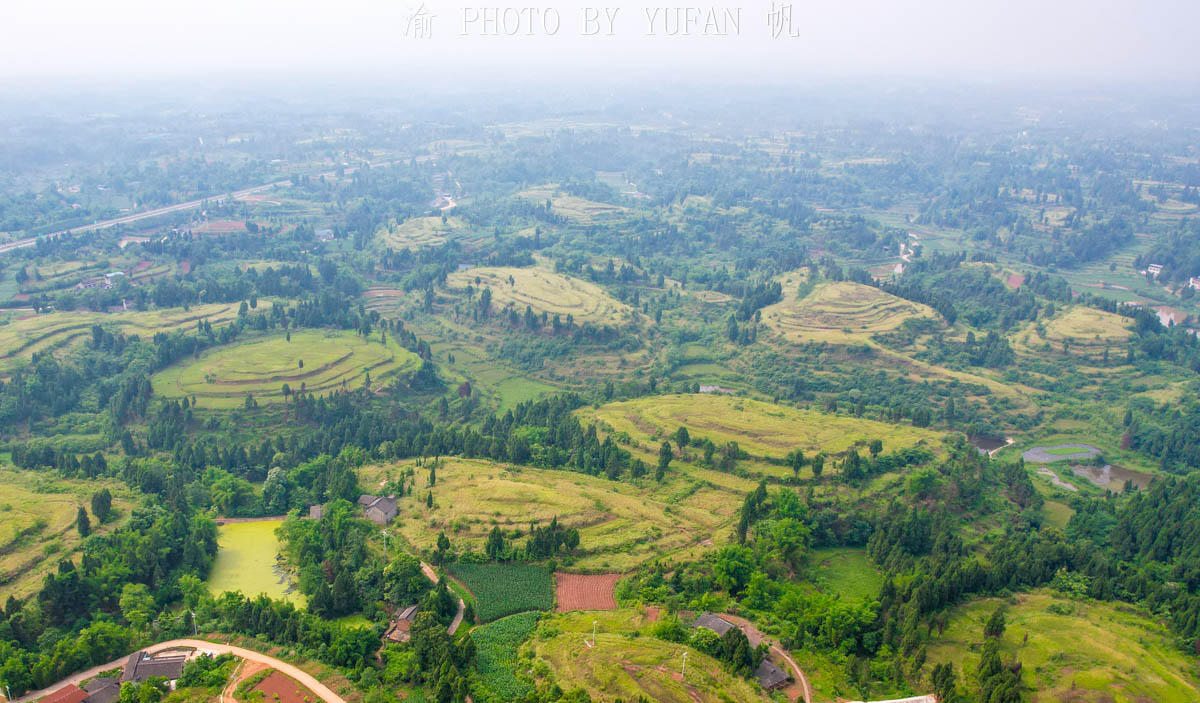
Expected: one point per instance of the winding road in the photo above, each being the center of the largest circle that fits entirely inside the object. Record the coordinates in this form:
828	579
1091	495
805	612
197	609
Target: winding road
322	691
458	617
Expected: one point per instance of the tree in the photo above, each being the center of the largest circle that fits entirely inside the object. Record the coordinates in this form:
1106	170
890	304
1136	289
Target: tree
682	438
102	504
994	627
82	523
664	460
818	465
136	604
495	544
876	447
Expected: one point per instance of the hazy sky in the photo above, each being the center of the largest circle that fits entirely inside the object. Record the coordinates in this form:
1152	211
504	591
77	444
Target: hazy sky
363	39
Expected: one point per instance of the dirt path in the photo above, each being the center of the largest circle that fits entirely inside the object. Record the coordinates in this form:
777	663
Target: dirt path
752	633
244	670
458	617
321	690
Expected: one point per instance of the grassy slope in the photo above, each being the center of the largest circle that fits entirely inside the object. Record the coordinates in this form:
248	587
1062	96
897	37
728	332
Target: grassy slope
545	291
1095	653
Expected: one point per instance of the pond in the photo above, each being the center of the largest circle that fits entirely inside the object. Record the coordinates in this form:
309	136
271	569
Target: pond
986	444
1112	476
1059	452
247	561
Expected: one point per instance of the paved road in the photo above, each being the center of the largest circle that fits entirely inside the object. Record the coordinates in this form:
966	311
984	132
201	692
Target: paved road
458	617
311	683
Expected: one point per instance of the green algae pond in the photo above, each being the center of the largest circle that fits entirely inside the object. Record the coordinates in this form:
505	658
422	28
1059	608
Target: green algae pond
247	562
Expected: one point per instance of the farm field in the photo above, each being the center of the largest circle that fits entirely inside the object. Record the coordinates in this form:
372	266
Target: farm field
626	667
839	313
416	232
545	291
260	366
584	591
572	207
497	644
37	523
761	429
620	524
22	336
1086	651
247	561
278	687
506	589
1086	331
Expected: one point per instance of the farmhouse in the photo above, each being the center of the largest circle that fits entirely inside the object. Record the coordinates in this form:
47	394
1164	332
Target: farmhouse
770	677
715	623
102	690
1194	283
399	631
316	512
379	510
141	666
1154	269
324	235
67	694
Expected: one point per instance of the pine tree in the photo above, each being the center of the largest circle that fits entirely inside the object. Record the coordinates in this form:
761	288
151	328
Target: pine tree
82	523
101	504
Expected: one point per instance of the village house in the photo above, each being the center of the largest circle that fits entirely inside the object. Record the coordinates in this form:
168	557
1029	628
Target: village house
770	677
379	510
141	666
102	690
1154	269
400	628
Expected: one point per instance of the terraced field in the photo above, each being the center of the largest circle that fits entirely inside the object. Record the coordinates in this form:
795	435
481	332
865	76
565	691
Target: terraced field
572	207
314	361
1075	650
762	429
1086	331
21	336
417	232
37	524
840	313
620	524
545	291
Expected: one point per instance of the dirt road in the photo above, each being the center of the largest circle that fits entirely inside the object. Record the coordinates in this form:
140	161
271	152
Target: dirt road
320	689
458	617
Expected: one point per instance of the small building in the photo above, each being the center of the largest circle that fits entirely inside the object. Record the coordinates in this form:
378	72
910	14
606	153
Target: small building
399	630
324	234
715	623
141	666
1194	283
770	677
102	690
67	694
379	510
1154	269
316	512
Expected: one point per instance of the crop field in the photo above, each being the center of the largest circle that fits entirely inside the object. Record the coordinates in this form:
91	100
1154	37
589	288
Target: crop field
417	232
505	589
585	591
1086	332
839	313
573	208
246	561
620	524
314	361
21	337
545	291
37	524
759	428
624	666
497	644
1077	650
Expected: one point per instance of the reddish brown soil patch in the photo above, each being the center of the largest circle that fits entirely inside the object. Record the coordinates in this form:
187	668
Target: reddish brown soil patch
653	613
220	227
185	267
585	592
1015	280
283	689
142	266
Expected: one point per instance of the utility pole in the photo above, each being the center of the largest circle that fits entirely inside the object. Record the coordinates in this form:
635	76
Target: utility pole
684	671
594	632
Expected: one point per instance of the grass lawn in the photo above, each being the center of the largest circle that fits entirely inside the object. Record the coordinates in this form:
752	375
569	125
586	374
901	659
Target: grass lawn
314	360
246	560
846	572
1088	651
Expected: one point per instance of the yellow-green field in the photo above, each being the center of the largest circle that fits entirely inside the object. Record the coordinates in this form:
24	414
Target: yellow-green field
420	232
573	208
620	524
762	429
840	313
246	561
37	524
333	359
545	291
1085	330
1089	651
626	667
20	338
